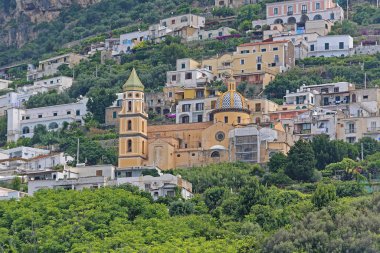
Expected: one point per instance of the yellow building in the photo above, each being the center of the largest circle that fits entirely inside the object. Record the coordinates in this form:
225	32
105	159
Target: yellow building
255	63
229	137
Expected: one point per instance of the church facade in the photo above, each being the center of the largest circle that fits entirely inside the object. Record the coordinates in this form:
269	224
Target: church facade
229	136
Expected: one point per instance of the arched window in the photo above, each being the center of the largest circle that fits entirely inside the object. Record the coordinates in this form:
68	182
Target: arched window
278	21
53	125
129	106
292	20
129	125
25	130
185	119
215	154
184	19
129	146
317	17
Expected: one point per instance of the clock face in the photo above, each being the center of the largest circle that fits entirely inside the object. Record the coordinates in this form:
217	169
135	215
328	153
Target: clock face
219	136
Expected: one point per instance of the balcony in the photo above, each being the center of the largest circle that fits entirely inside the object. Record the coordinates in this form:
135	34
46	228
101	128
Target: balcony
302	131
304	11
290	13
350	131
373	130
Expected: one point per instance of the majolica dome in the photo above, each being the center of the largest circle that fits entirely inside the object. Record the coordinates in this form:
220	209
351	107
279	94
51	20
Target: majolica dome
231	99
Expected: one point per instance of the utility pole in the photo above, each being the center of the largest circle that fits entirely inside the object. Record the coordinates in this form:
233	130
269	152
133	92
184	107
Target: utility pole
361	146
78	152
347	9
365	80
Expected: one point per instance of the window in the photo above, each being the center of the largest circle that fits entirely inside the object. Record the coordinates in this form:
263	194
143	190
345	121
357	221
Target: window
215	154
238	120
351	139
143	126
183	19
275	11
312	48
189	76
174	78
25	130
220	136
244	51
327	46
185	119
129	146
341	45
259	59
55	114
290	10
336	89
365	97
210	35
373	125
114	115
147	187
258	67
77	112
351	128
258	107
318	6
53	125
39	116
276	59
304	9
200	118
186	107
143	147
68	112
129	106
199	106
242	62
263	50
99	173
225	119
173	21
220	34
183	65
199	94
275	49
129	127
170	94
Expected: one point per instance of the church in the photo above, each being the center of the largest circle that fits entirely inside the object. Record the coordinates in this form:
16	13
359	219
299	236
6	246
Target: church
230	136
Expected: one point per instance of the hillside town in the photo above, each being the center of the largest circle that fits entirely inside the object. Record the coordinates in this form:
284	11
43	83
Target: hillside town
190	126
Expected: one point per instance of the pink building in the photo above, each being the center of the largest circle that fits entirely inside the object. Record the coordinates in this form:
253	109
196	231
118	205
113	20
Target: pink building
300	11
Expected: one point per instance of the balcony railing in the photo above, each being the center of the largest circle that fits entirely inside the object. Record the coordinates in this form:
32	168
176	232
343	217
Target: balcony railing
303	131
373	129
304	11
350	131
290	13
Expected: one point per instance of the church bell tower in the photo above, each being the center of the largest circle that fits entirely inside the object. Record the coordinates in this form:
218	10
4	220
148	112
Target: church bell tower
133	139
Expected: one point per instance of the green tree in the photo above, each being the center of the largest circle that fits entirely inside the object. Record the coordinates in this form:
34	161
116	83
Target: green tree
301	161
323	195
277	162
370	146
98	100
214	197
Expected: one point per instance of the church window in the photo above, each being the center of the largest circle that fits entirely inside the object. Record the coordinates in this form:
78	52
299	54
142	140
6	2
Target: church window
129	125
238	120
130	95
129	106
215	154
129	146
225	119
219	136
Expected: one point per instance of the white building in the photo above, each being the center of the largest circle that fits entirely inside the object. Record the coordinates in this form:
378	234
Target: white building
331	46
21	122
4	84
188	74
27	158
129	40
7	194
49	67
315	122
162	186
211	34
303	98
72	178
195	110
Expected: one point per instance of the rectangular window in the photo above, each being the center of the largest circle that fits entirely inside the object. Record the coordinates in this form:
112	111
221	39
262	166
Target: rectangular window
275	11
99	173
55	114
173	21
276	59
225	119
199	106
174	77
259	59
200	118
341	45
77	112
27	117
114	115
336	89
263	50
188	76
39	116
351	139
238	120
290	10
199	94
365	97
318	6
258	107
186	107
183	65
327	46
68	112
258	67
275	49
242	62
304	9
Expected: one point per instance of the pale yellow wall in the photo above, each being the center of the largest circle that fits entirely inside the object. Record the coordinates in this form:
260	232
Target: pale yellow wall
232	117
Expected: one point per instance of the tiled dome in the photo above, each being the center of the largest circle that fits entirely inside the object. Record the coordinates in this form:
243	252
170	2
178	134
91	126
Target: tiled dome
231	99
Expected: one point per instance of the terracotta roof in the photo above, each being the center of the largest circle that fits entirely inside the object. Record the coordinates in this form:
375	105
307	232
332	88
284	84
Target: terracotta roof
179	127
263	43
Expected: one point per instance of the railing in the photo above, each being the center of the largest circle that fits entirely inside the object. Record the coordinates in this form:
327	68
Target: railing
373	129
304	11
290	13
350	131
303	131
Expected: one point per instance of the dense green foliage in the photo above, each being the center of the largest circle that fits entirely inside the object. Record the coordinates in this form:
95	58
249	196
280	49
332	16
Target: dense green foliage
301	161
48	99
